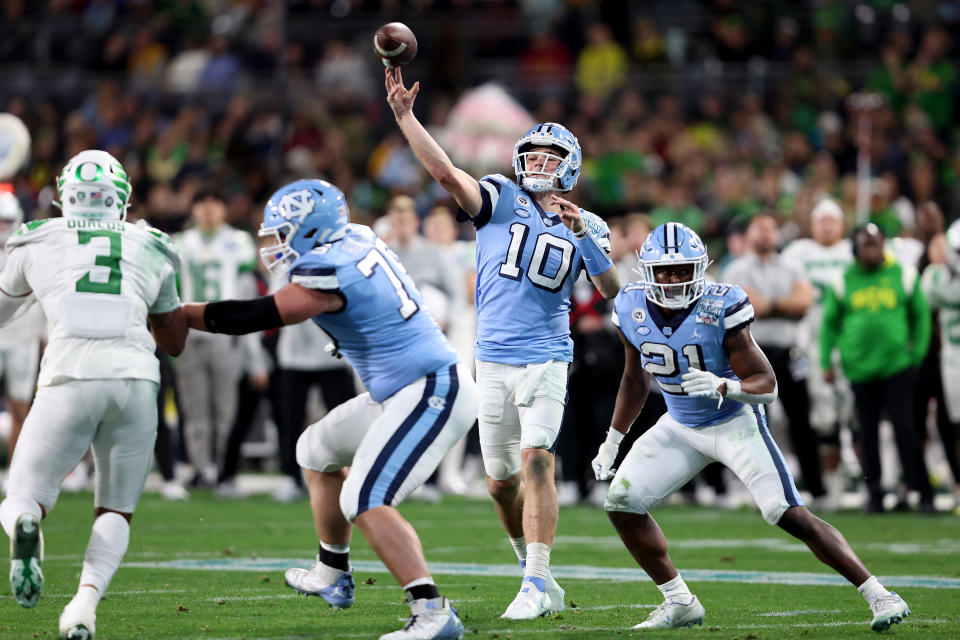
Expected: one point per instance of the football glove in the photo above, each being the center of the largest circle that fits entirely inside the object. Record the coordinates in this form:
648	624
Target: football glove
703	384
603	463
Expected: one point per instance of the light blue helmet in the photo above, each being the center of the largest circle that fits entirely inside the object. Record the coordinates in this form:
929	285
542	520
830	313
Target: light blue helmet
673	244
568	156
300	216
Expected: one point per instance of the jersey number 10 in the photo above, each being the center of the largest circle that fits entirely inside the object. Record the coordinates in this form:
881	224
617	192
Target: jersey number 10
538	261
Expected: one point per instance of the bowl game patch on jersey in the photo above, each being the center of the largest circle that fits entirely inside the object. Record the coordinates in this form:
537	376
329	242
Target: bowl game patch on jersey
709	311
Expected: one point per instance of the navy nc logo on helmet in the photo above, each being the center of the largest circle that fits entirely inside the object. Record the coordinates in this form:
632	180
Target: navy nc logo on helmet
300	216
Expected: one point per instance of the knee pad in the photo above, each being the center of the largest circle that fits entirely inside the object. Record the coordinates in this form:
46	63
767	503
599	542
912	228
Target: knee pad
502	466
621	497
313	452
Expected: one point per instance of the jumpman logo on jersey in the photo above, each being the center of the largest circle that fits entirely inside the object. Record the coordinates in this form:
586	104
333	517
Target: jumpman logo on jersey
696	334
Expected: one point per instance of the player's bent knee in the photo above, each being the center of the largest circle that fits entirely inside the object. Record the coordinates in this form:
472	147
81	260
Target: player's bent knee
537	464
773	513
311	454
621	497
501	467
505	489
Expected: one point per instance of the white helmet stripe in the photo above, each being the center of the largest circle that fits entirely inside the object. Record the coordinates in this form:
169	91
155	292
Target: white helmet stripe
670	238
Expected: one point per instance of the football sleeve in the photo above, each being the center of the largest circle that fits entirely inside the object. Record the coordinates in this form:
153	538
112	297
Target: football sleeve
315	274
738	311
491	189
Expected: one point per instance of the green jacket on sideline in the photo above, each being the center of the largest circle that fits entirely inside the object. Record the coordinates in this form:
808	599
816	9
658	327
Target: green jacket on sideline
879	320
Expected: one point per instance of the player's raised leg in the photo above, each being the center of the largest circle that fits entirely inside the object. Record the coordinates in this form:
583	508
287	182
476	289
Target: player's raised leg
660	462
757	461
324	450
56	434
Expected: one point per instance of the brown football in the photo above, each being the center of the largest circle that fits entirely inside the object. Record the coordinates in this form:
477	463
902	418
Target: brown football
395	43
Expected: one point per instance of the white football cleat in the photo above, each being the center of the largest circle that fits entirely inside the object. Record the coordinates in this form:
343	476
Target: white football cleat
888	609
26	556
674	615
431	619
556	594
338	593
532	601
78	620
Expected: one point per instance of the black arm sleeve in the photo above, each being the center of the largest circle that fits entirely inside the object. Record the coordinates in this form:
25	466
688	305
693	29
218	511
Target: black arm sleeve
237	317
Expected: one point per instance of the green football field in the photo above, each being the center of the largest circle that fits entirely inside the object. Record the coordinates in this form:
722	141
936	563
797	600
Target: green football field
209	569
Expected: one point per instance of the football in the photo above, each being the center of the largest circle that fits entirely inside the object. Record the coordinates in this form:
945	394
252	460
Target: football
14	145
395	43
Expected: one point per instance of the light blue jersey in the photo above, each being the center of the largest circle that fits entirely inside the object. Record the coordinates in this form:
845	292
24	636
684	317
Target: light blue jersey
693	337
527	262
383	330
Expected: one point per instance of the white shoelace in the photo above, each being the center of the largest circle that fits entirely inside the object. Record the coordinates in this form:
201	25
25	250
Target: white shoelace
881	601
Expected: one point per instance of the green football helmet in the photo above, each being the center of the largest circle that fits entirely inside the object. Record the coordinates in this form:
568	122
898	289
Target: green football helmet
93	186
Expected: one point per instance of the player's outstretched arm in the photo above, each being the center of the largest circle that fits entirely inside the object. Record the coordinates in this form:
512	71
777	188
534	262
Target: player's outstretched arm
169	330
632	395
291	305
460	184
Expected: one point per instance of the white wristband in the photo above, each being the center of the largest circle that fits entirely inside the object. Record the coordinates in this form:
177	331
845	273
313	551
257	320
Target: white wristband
614	436
734	392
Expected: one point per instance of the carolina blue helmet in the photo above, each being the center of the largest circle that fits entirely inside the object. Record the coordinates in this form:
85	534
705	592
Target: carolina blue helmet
568	158
673	244
300	216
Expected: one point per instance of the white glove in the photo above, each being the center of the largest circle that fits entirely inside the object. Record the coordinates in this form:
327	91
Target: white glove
606	455
703	384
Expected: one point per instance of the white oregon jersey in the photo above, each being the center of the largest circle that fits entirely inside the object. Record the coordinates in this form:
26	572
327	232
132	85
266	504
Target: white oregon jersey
26	327
214	262
821	265
941	285
96	282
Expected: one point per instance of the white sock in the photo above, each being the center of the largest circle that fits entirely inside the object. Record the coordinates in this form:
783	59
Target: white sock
538	560
520	546
107	546
13	507
871	589
676	591
336	548
87	597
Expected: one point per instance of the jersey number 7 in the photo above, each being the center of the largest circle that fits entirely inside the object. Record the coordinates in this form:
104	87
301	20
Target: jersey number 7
378	256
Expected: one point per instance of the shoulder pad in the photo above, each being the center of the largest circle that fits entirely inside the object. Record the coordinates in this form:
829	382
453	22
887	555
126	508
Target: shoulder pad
30	231
160	241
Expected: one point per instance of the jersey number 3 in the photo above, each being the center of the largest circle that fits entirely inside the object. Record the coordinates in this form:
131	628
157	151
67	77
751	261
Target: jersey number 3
109	261
538	261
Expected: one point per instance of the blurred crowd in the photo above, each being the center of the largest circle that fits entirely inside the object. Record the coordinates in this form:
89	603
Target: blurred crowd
716	114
